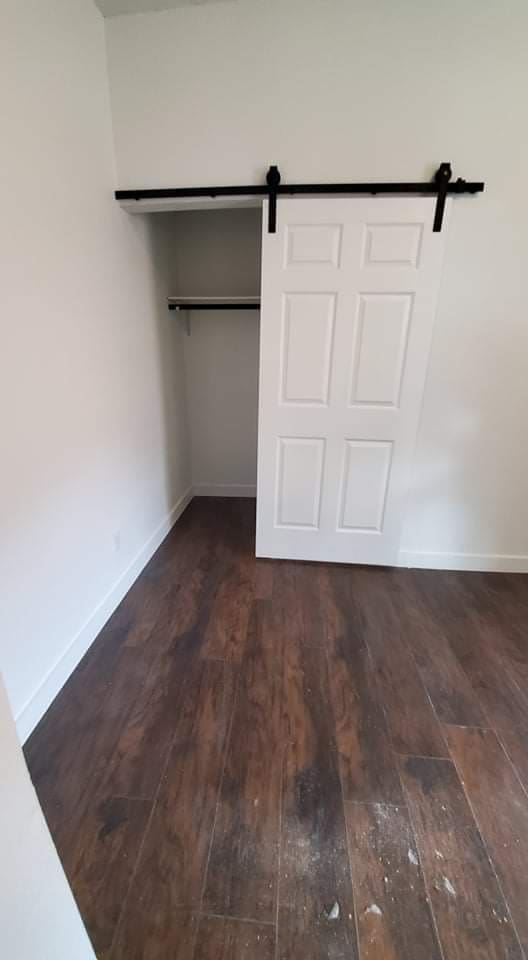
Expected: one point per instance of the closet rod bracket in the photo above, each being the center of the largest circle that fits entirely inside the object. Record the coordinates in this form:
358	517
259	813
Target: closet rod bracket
184	313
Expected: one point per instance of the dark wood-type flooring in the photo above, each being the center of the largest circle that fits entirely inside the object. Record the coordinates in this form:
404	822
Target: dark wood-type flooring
262	760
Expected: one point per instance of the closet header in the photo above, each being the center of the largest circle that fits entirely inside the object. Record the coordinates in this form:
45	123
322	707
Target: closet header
440	186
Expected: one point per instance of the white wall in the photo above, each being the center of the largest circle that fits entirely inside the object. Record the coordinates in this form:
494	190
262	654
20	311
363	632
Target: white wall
217	253
38	915
346	90
92	403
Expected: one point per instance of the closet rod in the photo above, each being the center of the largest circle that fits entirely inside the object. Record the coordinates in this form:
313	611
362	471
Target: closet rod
440	186
214	306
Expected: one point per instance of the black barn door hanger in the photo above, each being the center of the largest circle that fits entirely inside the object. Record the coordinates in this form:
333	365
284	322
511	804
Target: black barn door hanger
440	186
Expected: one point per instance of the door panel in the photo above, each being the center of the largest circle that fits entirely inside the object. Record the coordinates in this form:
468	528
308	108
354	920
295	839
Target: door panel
313	243
307	347
382	327
349	290
366	472
300	466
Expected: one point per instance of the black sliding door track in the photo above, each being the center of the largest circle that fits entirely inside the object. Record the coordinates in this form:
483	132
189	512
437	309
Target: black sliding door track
440	186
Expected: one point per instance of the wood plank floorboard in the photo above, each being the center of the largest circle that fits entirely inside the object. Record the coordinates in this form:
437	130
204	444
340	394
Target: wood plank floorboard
469	908
309	599
314	879
499	804
98	846
172	862
226	939
263	579
448	687
478	649
515	743
226	630
170	871
175	941
241	878
222	774
286	611
508	644
368	767
82	746
139	753
394	917
412	724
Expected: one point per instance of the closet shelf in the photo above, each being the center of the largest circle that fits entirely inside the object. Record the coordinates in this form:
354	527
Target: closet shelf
214	303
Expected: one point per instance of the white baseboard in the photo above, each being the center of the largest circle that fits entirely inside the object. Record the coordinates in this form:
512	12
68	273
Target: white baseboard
225	490
483	562
38	703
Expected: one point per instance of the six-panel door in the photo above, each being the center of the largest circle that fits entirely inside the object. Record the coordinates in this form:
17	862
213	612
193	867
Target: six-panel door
349	290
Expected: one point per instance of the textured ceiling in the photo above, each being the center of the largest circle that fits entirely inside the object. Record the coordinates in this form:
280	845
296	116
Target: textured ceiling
113	8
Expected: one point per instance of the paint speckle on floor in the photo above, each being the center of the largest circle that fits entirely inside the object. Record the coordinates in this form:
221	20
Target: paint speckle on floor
449	887
333	912
374	909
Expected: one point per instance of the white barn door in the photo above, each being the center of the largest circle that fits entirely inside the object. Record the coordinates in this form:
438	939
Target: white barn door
349	292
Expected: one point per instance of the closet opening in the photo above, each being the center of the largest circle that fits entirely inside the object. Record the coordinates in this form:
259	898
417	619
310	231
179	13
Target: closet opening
213	259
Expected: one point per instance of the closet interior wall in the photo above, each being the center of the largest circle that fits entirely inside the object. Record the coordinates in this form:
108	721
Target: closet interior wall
217	253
